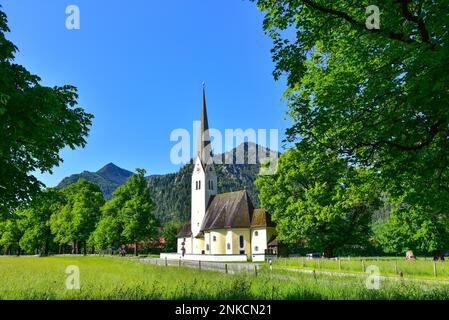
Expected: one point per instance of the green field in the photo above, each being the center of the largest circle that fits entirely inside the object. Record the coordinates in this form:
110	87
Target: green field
420	269
115	278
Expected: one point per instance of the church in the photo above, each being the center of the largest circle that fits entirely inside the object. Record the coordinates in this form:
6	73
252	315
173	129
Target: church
223	226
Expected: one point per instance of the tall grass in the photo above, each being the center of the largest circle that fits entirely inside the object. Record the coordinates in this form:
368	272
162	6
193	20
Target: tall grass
392	267
115	278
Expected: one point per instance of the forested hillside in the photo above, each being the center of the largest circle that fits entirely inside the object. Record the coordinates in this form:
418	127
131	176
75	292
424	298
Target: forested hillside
171	192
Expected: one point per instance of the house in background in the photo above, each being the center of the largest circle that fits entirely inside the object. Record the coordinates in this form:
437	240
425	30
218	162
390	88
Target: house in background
223	227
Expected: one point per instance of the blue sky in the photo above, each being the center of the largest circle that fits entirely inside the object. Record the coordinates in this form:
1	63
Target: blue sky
139	66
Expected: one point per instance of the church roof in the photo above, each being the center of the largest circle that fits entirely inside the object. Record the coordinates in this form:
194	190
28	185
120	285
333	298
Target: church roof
261	219
228	210
186	231
204	147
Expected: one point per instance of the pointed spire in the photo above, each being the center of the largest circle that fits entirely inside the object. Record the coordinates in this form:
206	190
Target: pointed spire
204	145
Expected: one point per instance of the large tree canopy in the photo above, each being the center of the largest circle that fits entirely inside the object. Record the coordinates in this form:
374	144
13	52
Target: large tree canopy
316	197
377	97
36	122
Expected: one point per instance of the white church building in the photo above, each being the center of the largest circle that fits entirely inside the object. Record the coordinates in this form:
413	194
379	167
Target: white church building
226	226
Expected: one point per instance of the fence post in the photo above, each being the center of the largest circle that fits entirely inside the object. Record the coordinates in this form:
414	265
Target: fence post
255	270
339	263
226	268
166	263
435	268
179	263
363	265
199	264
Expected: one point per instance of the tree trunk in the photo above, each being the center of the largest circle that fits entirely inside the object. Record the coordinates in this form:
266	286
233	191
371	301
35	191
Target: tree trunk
46	247
135	249
438	256
328	252
18	249
85	248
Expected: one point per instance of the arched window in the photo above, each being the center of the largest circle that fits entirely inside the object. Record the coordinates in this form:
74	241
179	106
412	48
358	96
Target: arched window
228	245
256	233
214	238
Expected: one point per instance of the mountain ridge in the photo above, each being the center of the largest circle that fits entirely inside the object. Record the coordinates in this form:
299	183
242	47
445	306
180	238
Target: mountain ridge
171	191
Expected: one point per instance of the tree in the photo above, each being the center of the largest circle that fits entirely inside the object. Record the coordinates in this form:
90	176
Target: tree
128	216
319	198
139	222
36	122
36	221
378	97
108	232
169	232
412	228
11	231
78	218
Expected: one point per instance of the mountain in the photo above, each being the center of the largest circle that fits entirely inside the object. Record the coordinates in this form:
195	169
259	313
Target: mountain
108	178
171	192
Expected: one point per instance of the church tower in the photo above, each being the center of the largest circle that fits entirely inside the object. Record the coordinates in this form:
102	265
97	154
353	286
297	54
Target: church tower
204	179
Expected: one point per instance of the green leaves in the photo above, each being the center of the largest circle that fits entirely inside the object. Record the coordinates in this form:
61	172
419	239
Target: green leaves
375	97
319	198
128	217
36	122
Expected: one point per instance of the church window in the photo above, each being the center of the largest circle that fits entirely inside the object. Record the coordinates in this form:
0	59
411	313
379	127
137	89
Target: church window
256	233
196	185
199	185
242	241
214	238
207	247
256	248
210	169
228	246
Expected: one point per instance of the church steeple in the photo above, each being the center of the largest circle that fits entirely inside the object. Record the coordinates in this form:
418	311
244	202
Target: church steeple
204	146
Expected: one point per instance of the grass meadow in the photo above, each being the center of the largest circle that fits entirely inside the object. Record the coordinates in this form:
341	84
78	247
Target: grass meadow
420	269
34	278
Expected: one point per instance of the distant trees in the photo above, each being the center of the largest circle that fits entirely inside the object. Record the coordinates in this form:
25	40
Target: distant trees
413	228
128	216
77	216
36	221
169	232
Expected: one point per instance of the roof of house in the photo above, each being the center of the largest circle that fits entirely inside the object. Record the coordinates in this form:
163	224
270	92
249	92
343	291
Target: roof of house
186	231
228	210
261	219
